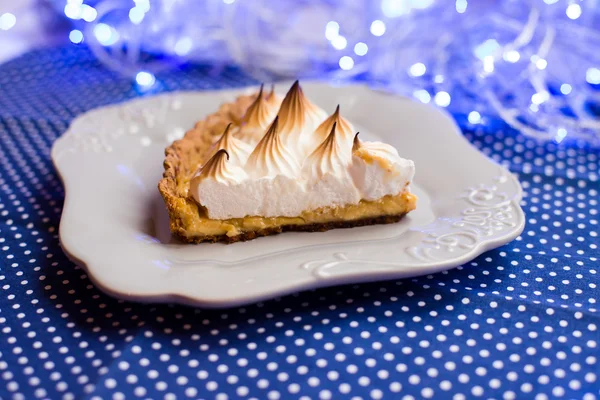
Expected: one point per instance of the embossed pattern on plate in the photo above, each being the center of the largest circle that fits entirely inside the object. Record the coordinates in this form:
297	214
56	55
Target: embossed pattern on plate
110	161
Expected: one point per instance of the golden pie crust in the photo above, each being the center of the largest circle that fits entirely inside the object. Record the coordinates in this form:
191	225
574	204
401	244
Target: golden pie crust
189	221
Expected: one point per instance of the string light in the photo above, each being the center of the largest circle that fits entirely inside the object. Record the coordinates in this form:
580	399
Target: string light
540	97
136	15
73	10
474	117
592	75
541	63
76	36
573	11
88	13
7	21
422	95
332	30
145	79
486	49
183	46
105	34
561	133
442	99
346	63
488	64
394	8
339	42
360	49
512	56
565	88
417	69
461	6
378	28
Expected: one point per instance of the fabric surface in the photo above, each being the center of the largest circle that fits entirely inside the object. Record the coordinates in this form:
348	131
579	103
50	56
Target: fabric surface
520	321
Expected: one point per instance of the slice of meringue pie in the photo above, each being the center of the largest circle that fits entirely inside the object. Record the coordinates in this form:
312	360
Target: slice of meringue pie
262	165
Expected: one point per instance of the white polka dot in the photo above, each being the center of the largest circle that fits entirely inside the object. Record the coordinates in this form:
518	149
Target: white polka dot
344	388
294	388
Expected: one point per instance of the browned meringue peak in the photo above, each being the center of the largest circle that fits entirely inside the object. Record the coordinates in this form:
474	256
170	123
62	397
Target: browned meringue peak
271	157
296	111
373	151
257	118
272	97
258	112
220	169
328	157
356	144
238	149
344	128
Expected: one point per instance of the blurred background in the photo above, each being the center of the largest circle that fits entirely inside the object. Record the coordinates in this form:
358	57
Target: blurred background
534	64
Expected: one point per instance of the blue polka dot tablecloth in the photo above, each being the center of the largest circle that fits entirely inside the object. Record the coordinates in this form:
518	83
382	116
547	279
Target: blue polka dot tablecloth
519	322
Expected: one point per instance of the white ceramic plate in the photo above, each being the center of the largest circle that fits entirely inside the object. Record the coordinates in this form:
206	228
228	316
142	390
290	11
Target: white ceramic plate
115	224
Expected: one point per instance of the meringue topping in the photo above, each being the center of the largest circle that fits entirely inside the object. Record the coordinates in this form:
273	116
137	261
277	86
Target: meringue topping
219	169
306	160
298	115
344	128
238	149
271	157
258	117
328	158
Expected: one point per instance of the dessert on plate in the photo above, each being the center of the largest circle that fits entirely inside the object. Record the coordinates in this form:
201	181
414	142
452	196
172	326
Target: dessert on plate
263	164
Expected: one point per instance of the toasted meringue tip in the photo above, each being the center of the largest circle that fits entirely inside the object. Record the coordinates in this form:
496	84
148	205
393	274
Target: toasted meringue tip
220	153
294	89
330	139
213	164
224	138
337	111
356	142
